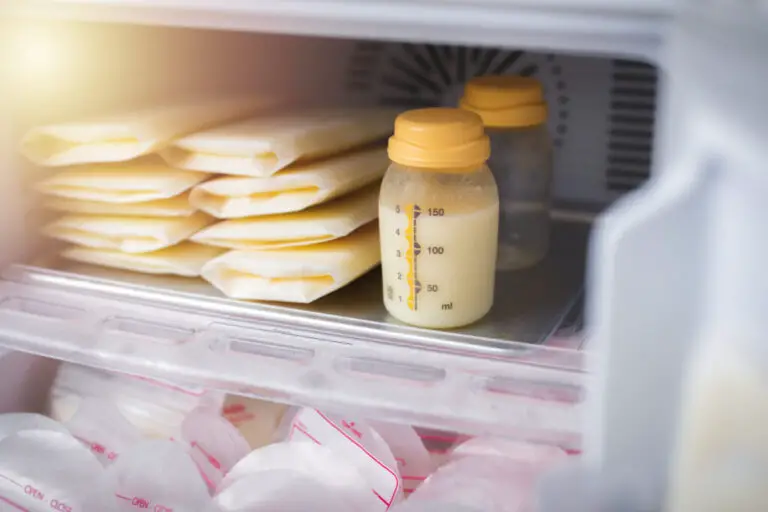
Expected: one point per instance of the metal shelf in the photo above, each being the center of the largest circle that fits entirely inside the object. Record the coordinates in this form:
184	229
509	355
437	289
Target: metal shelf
342	352
619	27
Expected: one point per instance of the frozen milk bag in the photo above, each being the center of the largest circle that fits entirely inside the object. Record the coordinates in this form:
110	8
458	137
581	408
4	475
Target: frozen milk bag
263	145
145	179
293	189
178	206
184	259
297	274
131	134
128	234
318	224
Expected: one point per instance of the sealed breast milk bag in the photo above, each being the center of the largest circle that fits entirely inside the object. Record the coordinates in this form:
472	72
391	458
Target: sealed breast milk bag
294	477
145	179
159	476
488	484
12	423
295	274
264	145
155	407
45	470
128	234
103	429
284	491
177	206
131	134
357	443
318	224
293	189
214	444
185	259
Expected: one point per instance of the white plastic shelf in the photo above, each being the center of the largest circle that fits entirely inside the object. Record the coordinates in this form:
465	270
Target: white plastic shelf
626	27
340	353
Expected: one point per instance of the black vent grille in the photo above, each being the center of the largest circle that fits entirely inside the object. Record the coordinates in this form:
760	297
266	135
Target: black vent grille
363	66
630	124
422	75
416	76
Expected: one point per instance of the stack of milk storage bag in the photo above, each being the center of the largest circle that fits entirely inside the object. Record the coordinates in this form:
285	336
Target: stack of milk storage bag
299	198
299	204
123	206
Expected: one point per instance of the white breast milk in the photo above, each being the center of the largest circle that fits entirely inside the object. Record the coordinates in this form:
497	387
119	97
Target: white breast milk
178	206
318	224
128	234
264	145
184	259
291	190
145	179
297	274
128	135
456	251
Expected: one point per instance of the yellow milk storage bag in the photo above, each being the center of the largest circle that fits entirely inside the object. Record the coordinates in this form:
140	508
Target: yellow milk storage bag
184	259
515	114
141	180
322	223
438	215
291	190
128	135
123	233
266	144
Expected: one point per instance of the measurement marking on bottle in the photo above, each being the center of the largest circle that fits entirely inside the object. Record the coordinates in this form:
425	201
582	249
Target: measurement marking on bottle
447	306
412	213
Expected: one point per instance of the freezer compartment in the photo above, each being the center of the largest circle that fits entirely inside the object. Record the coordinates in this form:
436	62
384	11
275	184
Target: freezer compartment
145	430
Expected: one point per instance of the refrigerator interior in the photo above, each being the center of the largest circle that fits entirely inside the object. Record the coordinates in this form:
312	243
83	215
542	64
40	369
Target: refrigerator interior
668	260
342	351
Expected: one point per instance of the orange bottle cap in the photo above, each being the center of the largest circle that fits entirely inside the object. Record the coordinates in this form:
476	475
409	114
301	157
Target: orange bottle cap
506	101
439	138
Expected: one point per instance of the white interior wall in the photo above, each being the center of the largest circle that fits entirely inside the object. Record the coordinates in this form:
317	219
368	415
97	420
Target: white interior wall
90	68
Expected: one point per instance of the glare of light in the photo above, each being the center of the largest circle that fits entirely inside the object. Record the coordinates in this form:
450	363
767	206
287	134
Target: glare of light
36	55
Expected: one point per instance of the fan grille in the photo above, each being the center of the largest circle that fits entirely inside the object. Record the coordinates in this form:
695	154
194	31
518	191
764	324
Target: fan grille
601	111
630	124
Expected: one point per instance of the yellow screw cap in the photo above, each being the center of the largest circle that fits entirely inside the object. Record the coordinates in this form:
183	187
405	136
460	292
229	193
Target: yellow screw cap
506	101
439	138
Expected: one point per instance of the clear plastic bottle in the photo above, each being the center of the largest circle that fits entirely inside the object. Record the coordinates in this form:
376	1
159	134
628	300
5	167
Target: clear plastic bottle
438	215
514	113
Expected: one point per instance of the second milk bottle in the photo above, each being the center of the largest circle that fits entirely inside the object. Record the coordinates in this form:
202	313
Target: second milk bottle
515	114
438	214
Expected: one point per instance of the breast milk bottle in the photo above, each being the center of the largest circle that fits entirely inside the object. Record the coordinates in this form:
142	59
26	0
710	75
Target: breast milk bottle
514	114
438	215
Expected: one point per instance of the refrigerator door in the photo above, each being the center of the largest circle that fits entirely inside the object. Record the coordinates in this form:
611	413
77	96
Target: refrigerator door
677	290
